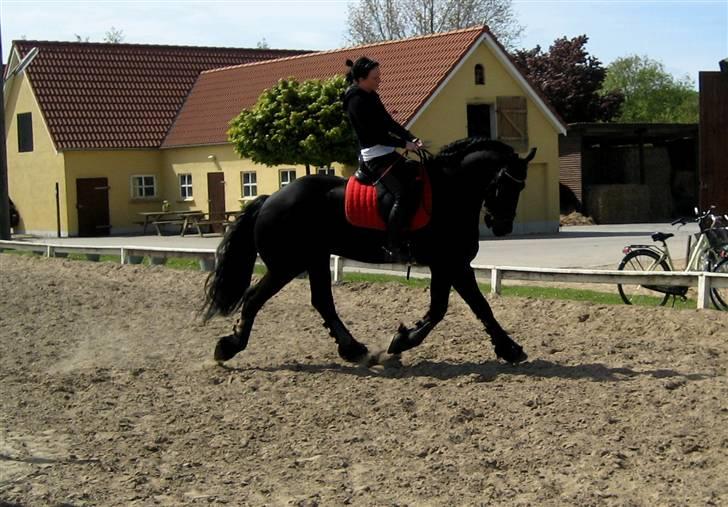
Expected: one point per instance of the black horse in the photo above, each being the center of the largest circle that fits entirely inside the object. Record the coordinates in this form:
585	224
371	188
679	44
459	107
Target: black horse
298	228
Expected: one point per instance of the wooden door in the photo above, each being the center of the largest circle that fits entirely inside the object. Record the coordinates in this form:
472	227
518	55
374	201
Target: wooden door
92	204
713	146
216	199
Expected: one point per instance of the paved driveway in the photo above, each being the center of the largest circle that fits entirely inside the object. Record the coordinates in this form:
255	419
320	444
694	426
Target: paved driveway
579	246
573	247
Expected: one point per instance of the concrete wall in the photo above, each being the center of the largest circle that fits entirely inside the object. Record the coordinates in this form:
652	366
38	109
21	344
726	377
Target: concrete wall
196	161
32	176
118	166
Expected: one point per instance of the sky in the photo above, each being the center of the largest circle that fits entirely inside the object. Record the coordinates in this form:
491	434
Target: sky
687	36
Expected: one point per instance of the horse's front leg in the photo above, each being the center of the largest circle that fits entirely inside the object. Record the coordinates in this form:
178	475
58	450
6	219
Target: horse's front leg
407	338
505	347
323	301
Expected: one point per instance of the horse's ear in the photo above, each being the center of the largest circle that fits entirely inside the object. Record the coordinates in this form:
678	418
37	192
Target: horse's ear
530	155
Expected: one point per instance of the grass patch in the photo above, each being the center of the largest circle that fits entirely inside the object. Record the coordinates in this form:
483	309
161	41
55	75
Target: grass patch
525	291
183	263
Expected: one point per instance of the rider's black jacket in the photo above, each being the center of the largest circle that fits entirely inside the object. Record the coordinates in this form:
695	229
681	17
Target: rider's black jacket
371	122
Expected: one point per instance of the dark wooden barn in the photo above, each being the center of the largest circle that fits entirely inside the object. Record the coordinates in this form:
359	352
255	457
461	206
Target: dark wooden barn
627	172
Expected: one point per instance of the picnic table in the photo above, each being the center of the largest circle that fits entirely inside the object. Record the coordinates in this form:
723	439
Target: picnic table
185	219
194	220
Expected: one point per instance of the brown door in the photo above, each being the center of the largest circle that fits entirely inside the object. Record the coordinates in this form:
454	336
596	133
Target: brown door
92	203
713	148
216	199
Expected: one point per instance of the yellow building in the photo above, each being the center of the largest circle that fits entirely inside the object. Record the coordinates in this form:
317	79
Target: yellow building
443	87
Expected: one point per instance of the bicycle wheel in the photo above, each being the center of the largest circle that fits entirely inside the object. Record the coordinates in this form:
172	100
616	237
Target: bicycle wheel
643	260
719	296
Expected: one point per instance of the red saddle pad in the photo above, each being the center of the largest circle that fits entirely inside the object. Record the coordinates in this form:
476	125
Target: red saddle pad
362	208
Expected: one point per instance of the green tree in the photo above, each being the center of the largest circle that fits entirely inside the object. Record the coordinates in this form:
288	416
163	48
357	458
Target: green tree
296	123
571	79
380	20
652	95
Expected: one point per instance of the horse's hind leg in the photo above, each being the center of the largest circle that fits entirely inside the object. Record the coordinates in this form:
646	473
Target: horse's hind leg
505	347
323	301
254	299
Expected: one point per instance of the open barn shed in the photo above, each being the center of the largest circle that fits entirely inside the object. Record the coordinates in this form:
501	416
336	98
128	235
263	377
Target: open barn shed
621	173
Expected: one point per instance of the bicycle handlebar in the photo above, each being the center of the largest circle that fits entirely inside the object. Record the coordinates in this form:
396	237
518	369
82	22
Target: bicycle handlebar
699	215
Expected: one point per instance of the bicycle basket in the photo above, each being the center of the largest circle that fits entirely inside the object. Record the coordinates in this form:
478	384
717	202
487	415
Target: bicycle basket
717	236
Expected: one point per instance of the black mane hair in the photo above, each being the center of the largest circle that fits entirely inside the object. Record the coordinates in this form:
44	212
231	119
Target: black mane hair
452	154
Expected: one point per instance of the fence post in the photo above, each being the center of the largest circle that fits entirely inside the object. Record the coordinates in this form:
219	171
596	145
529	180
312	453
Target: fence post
123	255
495	280
338	269
50	251
703	292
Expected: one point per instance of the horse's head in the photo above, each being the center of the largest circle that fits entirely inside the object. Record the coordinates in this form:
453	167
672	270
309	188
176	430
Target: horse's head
501	199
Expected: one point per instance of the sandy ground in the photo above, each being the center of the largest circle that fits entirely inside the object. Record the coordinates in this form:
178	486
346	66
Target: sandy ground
109	397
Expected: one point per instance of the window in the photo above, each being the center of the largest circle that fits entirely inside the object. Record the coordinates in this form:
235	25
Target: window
287	176
479	75
480	120
25	132
143	187
249	183
326	171
185	186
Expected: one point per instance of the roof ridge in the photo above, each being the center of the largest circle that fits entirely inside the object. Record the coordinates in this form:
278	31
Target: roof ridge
146	45
479	28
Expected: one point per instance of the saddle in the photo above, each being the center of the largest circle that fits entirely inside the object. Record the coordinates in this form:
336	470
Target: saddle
366	205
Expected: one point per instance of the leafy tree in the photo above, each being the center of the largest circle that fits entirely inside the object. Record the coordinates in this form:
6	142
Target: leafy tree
652	95
380	20
571	80
296	123
262	44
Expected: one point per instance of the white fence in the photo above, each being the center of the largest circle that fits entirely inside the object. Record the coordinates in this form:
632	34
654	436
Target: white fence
496	274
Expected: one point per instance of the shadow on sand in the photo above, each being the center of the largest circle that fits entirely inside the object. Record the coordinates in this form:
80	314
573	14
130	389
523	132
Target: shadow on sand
483	372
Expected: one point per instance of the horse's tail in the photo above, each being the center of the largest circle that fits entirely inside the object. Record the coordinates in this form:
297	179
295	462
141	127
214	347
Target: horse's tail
236	254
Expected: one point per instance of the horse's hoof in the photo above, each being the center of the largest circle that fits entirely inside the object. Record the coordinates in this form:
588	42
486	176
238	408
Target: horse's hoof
353	353
401	341
226	348
511	353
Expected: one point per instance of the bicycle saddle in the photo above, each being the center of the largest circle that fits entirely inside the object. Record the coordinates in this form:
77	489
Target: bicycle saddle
661	236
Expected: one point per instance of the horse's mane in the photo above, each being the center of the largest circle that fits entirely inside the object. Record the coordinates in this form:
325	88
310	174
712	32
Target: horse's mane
452	154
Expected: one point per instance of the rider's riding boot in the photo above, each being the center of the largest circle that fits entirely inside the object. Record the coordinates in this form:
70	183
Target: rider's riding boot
395	227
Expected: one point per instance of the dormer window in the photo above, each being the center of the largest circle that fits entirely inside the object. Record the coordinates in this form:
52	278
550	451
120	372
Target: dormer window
479	75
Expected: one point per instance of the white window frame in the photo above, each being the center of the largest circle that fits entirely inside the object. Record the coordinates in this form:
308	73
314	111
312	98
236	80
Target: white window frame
134	187
326	170
185	186
287	172
251	186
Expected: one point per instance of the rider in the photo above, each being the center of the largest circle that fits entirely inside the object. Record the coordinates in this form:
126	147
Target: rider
379	134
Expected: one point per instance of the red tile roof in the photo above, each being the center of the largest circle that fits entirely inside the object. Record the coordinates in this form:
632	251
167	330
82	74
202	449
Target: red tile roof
115	96
412	70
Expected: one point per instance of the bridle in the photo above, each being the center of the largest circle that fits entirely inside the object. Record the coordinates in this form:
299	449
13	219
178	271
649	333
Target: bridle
494	189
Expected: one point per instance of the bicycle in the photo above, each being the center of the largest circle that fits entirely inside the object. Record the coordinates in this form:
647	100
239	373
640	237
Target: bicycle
708	253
